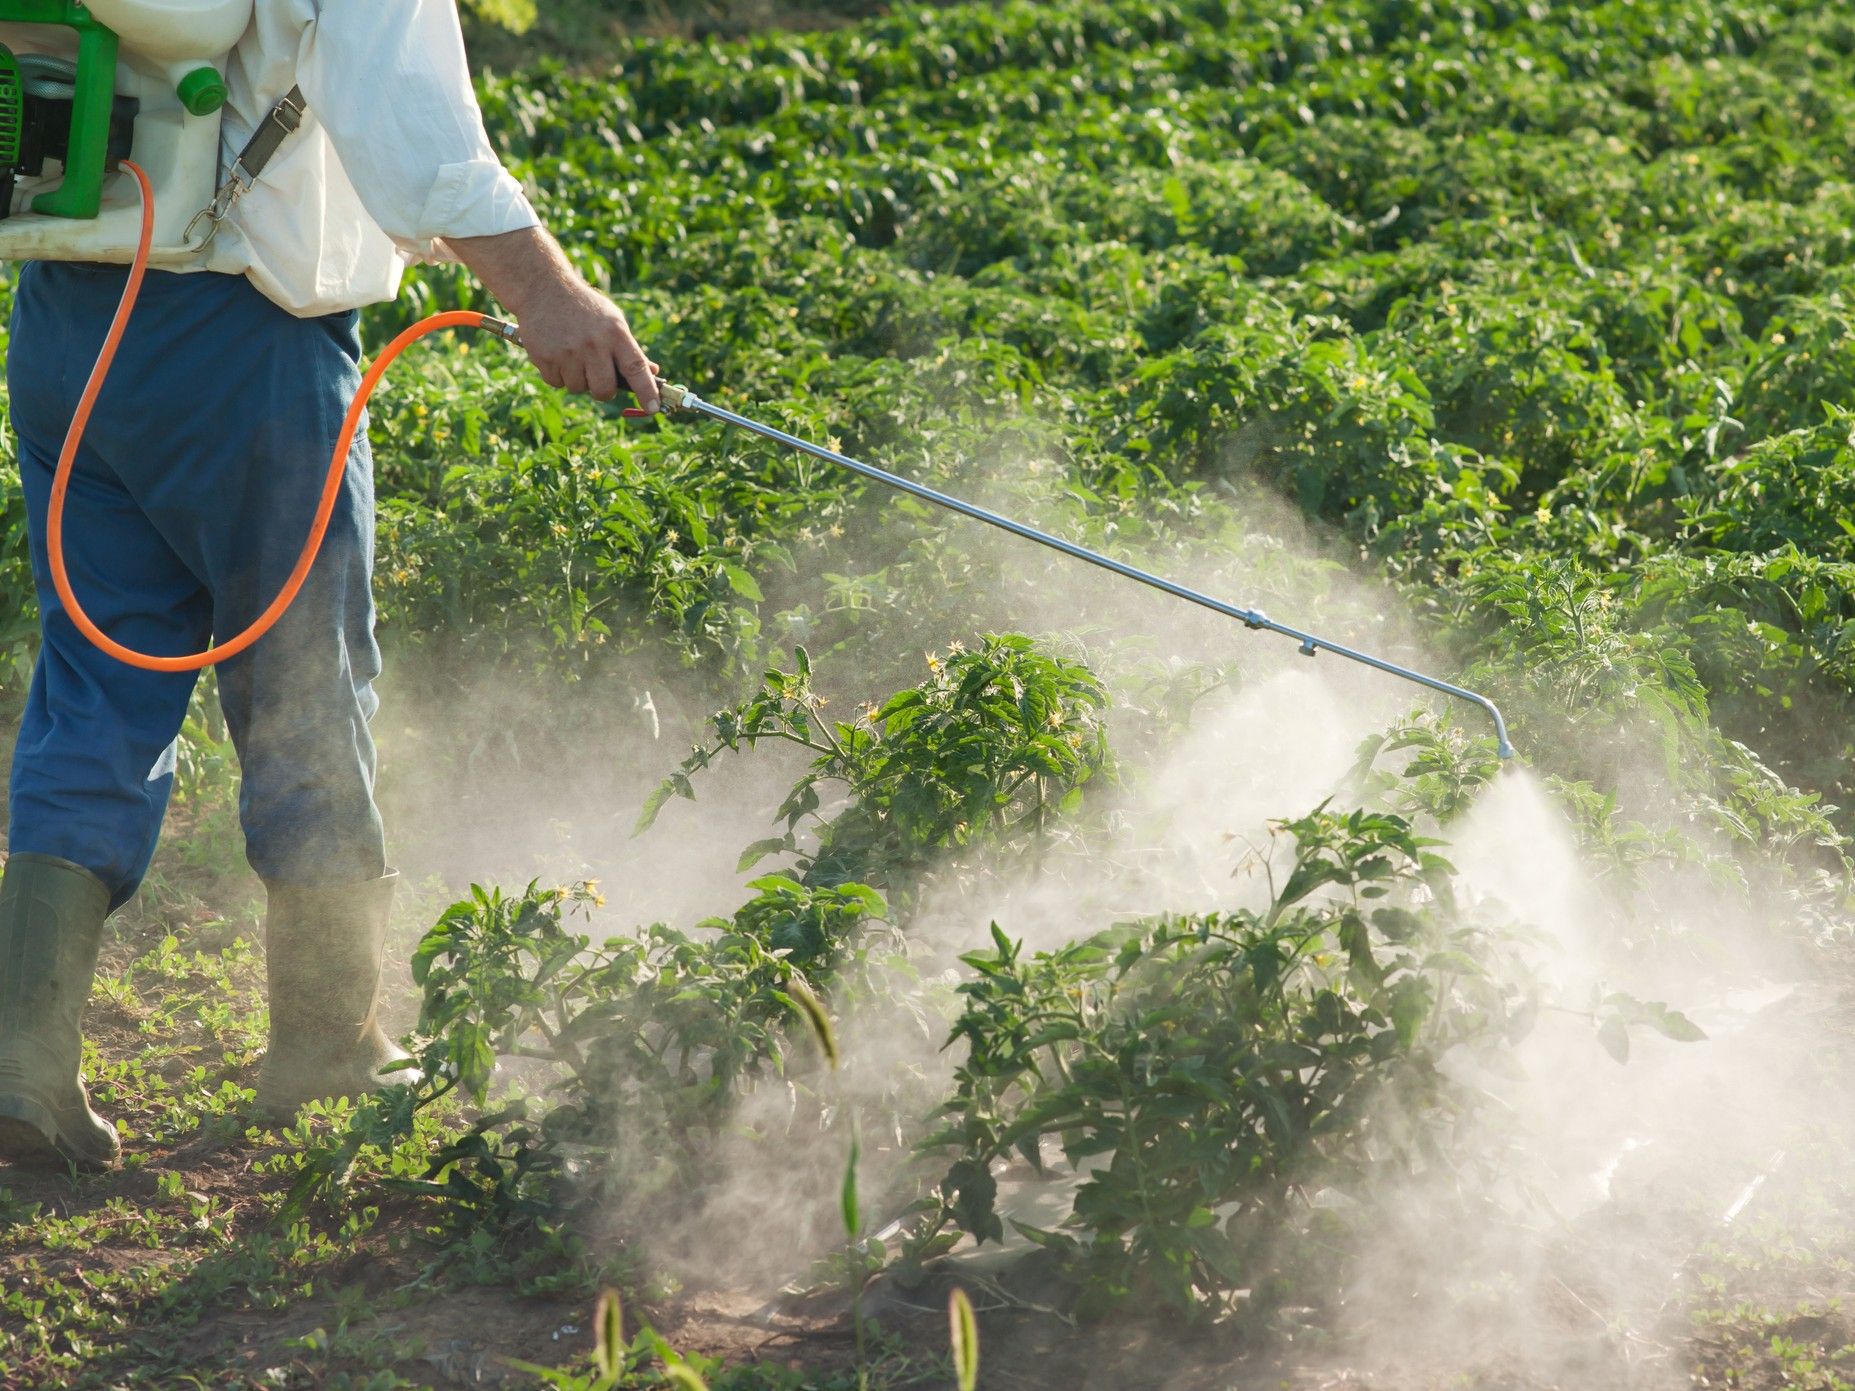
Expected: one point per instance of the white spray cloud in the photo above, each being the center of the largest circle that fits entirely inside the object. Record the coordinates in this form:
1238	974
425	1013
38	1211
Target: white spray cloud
1603	1178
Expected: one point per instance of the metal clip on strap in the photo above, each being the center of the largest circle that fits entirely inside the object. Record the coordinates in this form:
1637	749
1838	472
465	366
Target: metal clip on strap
283	121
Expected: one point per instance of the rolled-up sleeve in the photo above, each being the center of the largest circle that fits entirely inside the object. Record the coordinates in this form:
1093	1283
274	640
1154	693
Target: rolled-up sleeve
389	81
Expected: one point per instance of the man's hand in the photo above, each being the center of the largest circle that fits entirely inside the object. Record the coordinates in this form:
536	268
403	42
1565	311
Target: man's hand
577	338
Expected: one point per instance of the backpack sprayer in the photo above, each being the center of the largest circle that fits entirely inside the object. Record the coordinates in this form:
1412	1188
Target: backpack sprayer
146	80
109	77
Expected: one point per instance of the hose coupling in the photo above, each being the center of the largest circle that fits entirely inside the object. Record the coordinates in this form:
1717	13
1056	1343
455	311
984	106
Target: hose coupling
502	328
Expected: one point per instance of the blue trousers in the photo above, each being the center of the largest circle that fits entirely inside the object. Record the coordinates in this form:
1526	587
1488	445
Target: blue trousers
188	506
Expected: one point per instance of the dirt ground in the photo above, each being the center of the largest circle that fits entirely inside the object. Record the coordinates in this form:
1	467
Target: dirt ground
178	1271
1744	1314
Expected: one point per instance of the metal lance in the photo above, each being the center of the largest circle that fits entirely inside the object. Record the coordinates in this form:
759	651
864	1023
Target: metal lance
680	398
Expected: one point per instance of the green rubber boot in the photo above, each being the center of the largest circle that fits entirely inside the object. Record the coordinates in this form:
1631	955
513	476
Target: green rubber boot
51	926
324	949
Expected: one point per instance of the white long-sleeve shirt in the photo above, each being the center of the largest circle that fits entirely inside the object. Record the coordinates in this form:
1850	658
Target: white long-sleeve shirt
391	157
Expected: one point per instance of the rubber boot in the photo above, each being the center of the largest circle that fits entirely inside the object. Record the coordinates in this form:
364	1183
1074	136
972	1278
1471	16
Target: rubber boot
51	927
324	949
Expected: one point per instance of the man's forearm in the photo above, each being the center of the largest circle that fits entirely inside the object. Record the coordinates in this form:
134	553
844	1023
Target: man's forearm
516	267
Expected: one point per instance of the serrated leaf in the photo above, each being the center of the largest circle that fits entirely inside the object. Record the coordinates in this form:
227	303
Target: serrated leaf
741	582
758	851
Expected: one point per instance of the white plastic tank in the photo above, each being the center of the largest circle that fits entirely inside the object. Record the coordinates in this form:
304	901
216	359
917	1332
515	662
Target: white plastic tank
175	31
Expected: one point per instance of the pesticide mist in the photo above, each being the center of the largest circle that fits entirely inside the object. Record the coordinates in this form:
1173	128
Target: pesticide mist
1564	1073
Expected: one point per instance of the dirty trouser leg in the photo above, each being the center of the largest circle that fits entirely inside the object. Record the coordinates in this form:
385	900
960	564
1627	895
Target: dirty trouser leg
298	704
218	422
95	755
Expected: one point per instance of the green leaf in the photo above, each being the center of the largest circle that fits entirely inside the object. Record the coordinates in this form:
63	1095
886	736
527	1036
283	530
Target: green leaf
758	851
963	1334
741	582
1614	1034
799	995
781	882
973	1193
1007	949
1397	924
853	1218
1410	1006
517	16
609	1335
551	1376
871	902
1676	1025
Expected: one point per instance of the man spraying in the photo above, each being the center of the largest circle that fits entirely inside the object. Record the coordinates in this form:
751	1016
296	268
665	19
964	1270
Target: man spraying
187	502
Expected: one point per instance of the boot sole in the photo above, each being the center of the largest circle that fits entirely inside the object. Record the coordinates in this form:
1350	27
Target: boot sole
30	1138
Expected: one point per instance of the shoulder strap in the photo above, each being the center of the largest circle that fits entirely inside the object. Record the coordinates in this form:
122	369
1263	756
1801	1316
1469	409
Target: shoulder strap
282	121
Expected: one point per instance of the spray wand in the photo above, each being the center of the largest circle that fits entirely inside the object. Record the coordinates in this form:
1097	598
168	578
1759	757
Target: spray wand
681	398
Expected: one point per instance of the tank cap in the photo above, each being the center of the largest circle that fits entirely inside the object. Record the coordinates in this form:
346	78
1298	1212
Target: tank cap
202	91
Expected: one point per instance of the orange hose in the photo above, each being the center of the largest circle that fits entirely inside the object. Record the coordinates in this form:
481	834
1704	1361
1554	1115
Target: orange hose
331	489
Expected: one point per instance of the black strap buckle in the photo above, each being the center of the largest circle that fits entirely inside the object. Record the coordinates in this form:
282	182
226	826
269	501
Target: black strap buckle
283	120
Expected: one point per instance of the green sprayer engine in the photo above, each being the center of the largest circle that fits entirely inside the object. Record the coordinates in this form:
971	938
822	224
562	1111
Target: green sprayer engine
38	108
